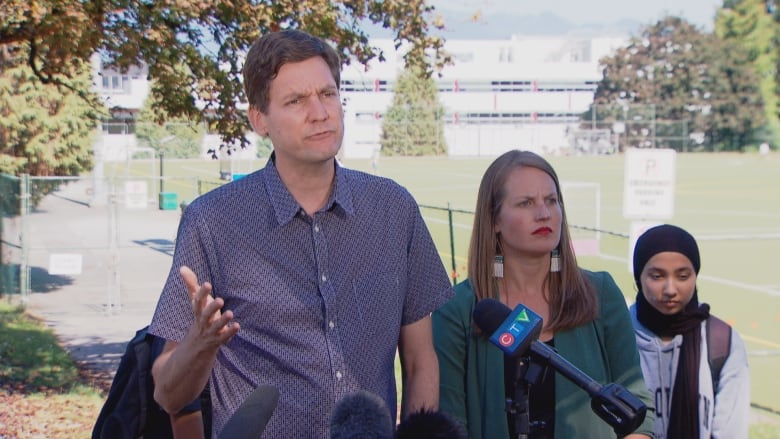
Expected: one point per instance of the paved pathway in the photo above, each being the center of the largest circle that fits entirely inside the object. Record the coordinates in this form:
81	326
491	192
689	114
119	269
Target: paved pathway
76	306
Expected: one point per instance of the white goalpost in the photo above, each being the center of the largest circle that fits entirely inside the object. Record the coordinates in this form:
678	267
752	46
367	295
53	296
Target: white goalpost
583	211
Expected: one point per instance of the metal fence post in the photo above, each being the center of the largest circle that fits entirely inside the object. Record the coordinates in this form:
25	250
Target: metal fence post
113	290
24	211
452	245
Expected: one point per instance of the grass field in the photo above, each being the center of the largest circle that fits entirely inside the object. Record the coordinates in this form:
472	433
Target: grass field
730	202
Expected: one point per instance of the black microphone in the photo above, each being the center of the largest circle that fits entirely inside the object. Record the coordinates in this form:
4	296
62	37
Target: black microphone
516	331
249	421
361	415
430	424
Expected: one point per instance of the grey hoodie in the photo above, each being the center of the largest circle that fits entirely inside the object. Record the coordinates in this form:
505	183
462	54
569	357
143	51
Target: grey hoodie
723	413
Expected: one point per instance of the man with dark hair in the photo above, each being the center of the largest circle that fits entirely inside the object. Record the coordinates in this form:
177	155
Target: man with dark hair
304	275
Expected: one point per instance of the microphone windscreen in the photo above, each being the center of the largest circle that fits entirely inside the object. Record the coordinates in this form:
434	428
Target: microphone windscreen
249	421
489	314
429	424
361	415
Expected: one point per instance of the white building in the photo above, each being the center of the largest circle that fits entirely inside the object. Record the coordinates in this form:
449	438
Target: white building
125	94
526	92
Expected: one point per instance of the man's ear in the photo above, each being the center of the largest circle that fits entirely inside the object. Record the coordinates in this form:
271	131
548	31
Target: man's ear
257	120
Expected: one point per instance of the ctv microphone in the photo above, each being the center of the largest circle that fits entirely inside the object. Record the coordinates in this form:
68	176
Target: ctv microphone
249	421
361	415
516	331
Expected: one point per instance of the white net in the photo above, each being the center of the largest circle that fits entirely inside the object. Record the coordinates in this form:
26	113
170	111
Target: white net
593	141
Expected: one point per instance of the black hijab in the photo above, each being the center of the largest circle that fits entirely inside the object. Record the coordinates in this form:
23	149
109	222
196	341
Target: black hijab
684	417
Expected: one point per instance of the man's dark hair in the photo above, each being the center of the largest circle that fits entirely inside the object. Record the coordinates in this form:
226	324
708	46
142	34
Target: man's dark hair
273	50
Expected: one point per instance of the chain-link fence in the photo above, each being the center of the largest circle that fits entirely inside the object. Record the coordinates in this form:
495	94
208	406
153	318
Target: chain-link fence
636	126
112	200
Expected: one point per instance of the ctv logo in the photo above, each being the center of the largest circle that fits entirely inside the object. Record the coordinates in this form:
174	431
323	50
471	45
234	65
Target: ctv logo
515	328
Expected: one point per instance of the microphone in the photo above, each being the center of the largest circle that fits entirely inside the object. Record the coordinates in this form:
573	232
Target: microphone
249	421
361	415
430	424
516	331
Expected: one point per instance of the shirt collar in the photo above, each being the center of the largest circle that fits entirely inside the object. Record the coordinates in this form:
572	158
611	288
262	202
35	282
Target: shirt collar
284	205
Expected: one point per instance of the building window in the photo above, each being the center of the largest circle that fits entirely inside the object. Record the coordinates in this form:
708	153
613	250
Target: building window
116	83
506	55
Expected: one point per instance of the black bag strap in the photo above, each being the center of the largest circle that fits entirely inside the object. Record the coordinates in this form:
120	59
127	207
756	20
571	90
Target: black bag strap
718	347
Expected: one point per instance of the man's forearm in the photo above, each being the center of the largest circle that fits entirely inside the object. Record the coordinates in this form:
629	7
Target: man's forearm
421	391
180	374
420	367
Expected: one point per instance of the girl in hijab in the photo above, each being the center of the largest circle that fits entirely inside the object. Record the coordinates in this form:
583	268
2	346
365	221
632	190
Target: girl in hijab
671	333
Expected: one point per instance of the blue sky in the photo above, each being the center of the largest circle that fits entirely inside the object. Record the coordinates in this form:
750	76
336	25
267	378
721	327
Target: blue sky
699	12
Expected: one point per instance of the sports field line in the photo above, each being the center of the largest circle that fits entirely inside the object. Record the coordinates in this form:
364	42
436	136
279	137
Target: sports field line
742	285
760	341
441	221
740	236
445	189
758	288
743	213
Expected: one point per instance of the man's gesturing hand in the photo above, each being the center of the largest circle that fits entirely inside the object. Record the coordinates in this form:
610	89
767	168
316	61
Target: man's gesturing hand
212	326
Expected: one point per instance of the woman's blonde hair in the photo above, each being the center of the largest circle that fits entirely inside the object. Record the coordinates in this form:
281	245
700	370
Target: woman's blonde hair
572	297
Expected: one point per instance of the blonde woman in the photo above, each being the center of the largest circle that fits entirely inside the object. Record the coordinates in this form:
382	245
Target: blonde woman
521	252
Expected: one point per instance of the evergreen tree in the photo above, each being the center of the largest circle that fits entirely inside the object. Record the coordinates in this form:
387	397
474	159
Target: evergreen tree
414	123
45	129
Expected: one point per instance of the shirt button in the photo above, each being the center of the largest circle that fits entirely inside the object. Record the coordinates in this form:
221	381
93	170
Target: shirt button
316	228
324	278
338	375
331	325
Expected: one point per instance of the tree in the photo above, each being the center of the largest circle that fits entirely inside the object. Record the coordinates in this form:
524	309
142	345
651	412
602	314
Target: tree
45	129
207	37
684	75
751	24
776	15
178	137
414	123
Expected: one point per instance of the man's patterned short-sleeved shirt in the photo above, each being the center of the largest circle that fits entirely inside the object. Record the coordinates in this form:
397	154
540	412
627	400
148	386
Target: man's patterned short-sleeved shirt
320	299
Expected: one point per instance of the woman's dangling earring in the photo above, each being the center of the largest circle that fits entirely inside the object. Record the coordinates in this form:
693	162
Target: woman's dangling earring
555	261
498	266
498	259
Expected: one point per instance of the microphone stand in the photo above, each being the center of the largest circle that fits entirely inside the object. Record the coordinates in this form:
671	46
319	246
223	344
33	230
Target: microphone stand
526	373
517	407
